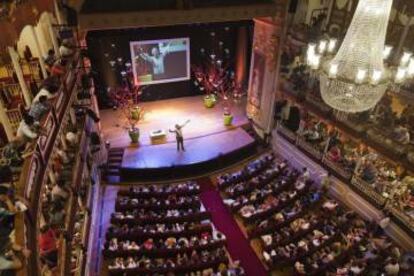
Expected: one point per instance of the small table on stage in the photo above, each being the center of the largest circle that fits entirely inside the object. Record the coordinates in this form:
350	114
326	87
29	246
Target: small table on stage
158	136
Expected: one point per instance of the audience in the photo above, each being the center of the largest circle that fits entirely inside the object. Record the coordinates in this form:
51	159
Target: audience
160	229
309	231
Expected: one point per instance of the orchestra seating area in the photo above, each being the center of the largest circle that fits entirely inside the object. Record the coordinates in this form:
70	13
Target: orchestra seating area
164	229
294	223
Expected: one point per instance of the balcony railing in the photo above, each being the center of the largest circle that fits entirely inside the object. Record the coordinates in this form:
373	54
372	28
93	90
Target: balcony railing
350	178
14	117
34	169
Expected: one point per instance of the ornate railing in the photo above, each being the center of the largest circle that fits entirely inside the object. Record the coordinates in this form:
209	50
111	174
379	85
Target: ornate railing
14	117
33	176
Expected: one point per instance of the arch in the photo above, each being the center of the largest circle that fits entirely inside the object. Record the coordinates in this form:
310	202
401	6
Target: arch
28	39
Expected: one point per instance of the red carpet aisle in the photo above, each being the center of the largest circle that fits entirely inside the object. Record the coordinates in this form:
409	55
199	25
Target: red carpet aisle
238	246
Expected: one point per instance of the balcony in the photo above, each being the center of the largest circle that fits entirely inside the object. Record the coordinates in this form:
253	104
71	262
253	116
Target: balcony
126	14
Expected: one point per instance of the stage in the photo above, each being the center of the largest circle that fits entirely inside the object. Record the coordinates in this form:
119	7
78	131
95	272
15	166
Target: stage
164	114
208	143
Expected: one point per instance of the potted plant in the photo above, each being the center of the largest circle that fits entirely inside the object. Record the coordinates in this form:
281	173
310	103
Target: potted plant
227	116
209	101
127	101
133	115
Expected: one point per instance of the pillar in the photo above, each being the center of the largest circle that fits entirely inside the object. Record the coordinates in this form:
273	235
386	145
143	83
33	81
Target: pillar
53	36
58	13
39	52
399	49
264	71
14	56
329	14
5	122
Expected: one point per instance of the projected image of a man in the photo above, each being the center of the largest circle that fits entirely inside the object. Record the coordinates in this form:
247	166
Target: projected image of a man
160	61
157	59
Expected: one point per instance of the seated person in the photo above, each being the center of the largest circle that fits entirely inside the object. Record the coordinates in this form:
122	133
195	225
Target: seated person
66	49
334	154
392	267
59	191
369	172
402	135
48	245
39	108
50	58
12	153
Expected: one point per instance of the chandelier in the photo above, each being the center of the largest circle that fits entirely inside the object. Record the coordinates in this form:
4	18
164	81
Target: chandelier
356	78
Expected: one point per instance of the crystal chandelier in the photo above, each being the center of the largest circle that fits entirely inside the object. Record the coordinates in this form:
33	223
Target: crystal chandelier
356	78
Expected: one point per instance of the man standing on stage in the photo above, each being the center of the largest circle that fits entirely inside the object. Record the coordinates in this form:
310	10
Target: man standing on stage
179	135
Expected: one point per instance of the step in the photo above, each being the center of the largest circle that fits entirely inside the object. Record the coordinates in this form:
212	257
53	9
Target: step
113	166
113	179
118	155
116	150
114	159
112	172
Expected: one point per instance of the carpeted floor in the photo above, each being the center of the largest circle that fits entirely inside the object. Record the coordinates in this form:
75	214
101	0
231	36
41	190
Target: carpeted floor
237	245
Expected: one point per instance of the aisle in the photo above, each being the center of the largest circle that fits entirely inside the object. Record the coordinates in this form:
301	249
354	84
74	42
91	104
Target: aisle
237	245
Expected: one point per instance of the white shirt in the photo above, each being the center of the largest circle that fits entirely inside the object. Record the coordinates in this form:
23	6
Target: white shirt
43	92
179	132
25	131
157	64
65	51
392	269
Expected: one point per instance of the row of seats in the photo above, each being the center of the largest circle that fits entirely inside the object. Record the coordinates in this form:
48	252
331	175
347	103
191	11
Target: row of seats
164	229
299	225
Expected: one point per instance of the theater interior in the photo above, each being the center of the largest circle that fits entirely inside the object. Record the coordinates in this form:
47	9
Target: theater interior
206	137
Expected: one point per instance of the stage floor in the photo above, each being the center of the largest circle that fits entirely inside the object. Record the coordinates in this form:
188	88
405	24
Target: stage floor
198	150
164	114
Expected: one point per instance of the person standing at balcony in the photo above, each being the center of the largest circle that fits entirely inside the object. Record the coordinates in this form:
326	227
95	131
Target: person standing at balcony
39	108
47	90
28	131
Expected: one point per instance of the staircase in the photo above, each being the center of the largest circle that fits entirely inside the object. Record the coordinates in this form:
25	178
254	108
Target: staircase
113	164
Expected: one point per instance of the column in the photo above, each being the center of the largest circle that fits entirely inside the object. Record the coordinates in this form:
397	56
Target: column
39	52
14	56
53	36
4	120
58	13
407	26
264	71
329	14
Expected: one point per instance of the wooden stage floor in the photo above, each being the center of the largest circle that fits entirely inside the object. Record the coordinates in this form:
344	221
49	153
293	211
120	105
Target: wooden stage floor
198	150
207	141
165	114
